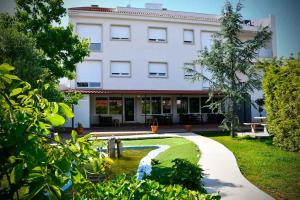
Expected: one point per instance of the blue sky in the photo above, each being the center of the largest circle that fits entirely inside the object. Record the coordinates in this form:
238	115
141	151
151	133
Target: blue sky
286	12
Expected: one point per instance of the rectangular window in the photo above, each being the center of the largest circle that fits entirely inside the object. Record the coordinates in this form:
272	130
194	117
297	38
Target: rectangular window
188	36
101	105
157	35
88	74
182	105
120	32
189	70
194	105
158	69
204	103
120	68
93	32
156	105
115	105
167	105
206	40
146	105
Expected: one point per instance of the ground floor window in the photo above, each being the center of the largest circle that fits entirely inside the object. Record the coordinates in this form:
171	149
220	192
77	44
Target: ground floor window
182	105
101	105
156	105
167	105
146	105
194	105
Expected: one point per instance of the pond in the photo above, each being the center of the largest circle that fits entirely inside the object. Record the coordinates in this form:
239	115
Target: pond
129	161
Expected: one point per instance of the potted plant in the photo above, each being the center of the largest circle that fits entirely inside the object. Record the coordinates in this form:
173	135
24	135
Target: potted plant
79	128
188	127
154	126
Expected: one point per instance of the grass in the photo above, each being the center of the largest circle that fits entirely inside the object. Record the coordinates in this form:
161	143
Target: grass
270	168
179	148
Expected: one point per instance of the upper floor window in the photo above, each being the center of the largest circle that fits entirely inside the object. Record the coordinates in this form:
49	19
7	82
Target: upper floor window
120	68
158	69
93	32
88	74
206	40
120	32
189	70
188	36
157	34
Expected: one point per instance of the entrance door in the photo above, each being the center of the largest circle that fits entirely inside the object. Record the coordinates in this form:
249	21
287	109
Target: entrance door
129	109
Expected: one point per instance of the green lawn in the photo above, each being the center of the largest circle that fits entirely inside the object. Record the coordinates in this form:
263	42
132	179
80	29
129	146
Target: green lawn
275	171
179	148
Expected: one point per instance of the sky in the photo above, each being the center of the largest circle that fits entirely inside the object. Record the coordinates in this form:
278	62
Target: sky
286	12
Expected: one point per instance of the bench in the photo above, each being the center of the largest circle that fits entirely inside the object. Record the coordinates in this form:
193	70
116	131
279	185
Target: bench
253	126
265	128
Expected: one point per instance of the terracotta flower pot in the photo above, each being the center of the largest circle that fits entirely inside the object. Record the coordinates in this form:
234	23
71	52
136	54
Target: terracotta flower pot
79	130
154	129
188	127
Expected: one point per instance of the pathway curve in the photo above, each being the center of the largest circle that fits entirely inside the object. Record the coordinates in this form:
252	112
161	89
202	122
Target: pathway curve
221	171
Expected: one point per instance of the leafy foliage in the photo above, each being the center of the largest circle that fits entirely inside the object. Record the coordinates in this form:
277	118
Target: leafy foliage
34	165
229	60
186	174
281	86
123	188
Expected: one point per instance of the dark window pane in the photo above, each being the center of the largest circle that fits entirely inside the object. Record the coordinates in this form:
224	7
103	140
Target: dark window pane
182	105
194	105
204	103
156	105
146	105
115	105
167	105
82	84
101	105
94	84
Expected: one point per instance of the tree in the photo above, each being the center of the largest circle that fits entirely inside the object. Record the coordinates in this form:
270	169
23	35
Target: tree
33	165
231	58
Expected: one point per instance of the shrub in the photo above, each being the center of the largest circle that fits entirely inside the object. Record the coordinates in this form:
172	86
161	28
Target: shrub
186	174
123	188
281	86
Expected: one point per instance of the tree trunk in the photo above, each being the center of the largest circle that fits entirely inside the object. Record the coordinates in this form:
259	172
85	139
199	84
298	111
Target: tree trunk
233	118
73	117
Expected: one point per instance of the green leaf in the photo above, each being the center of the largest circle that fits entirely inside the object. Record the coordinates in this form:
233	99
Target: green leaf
74	136
55	119
56	191
6	67
66	110
16	174
15	92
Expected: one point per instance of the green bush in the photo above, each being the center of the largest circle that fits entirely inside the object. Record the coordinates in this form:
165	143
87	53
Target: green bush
281	86
123	188
186	174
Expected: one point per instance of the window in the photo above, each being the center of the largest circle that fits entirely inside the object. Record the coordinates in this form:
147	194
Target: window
146	105
115	105
206	40
120	68
157	35
157	69
167	105
91	32
188	36
207	74
189	73
156	105
120	32
194	105
101	105
182	105
88	74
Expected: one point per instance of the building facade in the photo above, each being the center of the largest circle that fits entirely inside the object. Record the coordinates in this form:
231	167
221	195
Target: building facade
136	68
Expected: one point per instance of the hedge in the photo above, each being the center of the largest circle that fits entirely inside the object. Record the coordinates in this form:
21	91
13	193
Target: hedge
281	87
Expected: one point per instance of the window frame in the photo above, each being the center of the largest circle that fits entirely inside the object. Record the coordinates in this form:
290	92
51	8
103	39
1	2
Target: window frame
156	40
120	76
120	39
88	83
92	24
185	71
157	76
193	42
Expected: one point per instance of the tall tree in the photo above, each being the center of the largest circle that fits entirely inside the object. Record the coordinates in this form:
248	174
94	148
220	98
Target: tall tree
229	59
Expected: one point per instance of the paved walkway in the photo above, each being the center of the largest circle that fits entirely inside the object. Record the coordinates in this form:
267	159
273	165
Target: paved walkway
221	171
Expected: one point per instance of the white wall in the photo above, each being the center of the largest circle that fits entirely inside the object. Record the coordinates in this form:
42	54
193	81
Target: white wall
82	112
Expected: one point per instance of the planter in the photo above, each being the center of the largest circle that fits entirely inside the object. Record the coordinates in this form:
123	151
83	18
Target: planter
154	128
79	130
188	127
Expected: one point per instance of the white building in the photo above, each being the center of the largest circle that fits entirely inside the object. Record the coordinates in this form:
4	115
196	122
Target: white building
136	66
